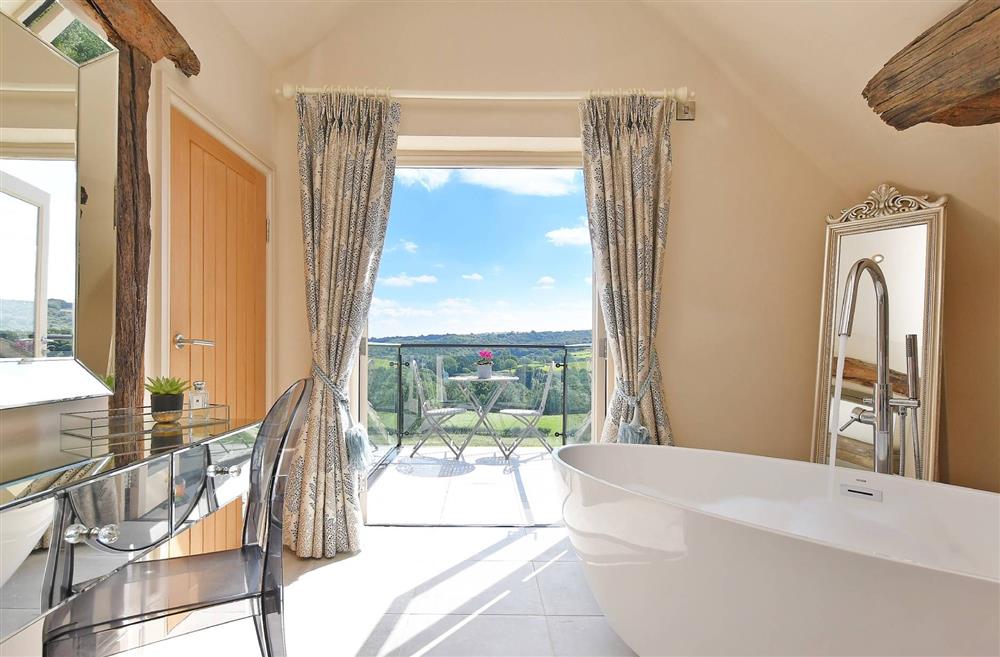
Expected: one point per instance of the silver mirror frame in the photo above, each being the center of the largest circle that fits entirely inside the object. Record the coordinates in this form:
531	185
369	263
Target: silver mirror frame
886	208
34	381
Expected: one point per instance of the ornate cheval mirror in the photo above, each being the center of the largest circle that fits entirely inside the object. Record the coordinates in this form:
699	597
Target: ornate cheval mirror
904	236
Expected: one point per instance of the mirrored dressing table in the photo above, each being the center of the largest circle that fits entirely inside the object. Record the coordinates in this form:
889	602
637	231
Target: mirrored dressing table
64	530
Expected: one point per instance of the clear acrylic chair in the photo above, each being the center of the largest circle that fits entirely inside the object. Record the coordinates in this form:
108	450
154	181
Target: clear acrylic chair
115	614
433	418
529	417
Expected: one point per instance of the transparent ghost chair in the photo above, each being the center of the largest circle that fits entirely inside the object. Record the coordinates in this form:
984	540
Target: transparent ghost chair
125	610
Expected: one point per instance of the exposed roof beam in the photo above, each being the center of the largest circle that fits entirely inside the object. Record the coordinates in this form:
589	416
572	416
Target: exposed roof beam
949	74
140	24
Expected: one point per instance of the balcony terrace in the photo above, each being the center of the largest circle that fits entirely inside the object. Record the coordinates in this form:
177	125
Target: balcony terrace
456	449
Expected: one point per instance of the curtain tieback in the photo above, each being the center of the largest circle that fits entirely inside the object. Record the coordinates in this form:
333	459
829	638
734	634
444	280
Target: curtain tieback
359	448
633	431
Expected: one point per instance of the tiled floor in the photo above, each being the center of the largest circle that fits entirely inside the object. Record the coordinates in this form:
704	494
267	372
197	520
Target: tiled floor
440	590
481	489
432	591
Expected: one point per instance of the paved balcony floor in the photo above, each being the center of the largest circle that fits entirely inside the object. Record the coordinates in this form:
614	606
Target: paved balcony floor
482	488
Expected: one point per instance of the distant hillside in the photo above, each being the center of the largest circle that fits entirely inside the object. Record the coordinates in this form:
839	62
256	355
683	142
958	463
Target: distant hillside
509	337
18	315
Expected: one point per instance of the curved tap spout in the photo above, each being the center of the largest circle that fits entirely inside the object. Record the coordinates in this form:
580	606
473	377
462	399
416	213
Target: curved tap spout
851	296
882	393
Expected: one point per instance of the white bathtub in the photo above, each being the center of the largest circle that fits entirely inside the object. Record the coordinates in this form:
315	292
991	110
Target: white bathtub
701	552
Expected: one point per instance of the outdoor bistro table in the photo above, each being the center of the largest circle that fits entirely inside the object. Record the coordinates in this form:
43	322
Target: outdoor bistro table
465	382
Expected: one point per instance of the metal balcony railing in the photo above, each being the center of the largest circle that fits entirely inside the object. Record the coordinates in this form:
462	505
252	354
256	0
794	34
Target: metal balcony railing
395	413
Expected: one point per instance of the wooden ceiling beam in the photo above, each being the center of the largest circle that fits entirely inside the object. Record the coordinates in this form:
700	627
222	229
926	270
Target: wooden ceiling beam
949	74
140	24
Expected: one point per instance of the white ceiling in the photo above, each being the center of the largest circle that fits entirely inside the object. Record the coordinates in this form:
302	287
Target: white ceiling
278	31
778	34
802	63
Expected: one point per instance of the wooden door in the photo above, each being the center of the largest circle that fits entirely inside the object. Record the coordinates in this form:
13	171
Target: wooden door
218	234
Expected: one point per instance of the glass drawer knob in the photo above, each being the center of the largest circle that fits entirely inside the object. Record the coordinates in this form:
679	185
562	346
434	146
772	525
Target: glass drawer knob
79	533
217	470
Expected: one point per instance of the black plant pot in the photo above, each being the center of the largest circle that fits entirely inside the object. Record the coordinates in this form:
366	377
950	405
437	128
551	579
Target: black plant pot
165	436
167	408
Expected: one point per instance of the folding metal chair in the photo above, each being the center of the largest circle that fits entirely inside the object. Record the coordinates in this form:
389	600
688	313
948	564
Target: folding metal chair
433	418
529	417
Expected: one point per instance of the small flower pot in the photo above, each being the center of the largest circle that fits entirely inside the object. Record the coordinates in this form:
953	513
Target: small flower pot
167	408
484	371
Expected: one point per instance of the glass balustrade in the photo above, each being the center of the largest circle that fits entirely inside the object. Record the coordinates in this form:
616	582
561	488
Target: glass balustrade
416	389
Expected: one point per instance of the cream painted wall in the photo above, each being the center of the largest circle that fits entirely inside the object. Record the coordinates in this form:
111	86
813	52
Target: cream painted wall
782	139
232	90
805	65
741	297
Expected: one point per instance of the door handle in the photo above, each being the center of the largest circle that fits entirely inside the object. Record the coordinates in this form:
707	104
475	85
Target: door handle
180	342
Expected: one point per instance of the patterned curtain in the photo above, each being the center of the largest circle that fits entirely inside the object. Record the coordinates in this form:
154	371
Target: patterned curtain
347	160
626	170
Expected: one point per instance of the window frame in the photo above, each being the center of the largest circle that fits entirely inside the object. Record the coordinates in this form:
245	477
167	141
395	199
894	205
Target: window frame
28	193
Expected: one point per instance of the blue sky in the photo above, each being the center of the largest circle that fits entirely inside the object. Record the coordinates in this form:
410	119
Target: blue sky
475	250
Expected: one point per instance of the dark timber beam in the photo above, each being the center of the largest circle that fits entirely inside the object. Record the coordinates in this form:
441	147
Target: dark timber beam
132	205
140	24
142	36
949	74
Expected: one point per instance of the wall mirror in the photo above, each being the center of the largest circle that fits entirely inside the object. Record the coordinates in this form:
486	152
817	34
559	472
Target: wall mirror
58	159
904	235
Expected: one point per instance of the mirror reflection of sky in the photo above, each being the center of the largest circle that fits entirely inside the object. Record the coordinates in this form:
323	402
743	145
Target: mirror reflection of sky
58	178
480	250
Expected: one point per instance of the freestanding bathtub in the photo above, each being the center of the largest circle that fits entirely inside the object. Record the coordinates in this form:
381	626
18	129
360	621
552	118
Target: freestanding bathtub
700	552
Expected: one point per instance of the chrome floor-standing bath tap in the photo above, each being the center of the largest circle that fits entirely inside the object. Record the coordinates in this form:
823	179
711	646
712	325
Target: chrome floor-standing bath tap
882	415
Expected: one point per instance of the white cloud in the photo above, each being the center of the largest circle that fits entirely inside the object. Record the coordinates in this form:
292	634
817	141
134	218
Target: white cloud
531	182
545	283
589	280
429	179
570	236
456	306
406	245
393	309
473	277
438	265
461	315
404	280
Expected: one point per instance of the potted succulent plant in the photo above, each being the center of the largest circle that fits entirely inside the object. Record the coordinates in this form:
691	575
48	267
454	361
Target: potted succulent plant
166	397
484	365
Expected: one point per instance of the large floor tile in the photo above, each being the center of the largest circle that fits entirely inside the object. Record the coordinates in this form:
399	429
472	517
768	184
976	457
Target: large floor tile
235	638
564	589
585	636
482	503
546	544
482	488
480	636
431	591
491	587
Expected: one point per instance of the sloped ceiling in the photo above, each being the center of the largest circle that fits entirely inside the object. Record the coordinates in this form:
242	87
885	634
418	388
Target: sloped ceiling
802	63
278	31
